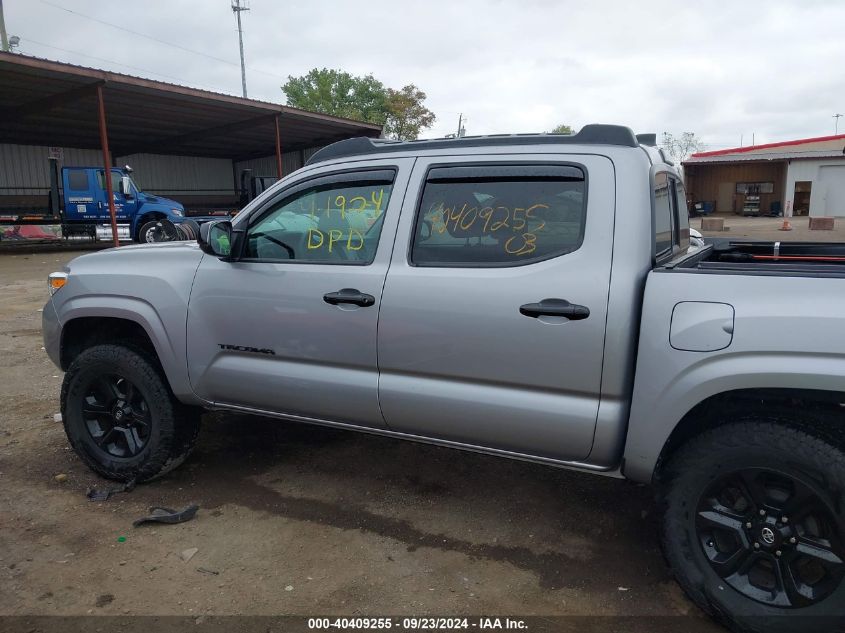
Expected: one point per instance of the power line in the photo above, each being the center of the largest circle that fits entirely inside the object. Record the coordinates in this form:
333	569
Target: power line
110	61
155	39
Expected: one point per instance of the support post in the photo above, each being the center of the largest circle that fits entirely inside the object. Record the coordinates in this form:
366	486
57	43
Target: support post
104	144
278	147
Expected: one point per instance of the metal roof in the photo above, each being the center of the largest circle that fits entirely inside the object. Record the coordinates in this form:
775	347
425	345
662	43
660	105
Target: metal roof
768	156
757	148
44	102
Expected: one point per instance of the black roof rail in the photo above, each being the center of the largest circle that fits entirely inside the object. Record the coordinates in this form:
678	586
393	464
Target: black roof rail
594	134
647	139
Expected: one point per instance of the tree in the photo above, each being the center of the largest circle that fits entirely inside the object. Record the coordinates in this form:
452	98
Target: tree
407	116
680	147
338	93
561	128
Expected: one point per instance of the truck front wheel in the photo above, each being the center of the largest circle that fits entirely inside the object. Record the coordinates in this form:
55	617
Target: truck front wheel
121	417
754	528
157	231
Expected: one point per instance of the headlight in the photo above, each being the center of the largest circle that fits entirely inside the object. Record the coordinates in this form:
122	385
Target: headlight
178	212
55	281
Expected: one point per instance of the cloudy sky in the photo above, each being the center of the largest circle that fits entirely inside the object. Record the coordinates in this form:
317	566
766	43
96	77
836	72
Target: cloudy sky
722	69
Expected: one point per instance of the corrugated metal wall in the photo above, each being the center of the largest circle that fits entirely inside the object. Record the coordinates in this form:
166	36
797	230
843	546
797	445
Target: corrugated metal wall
24	169
198	182
291	161
174	175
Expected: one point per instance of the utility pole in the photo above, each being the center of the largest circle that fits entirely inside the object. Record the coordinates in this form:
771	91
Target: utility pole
3	29
236	9
836	117
461	131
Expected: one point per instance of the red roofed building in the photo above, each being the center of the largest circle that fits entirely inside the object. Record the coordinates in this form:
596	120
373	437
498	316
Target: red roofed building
806	176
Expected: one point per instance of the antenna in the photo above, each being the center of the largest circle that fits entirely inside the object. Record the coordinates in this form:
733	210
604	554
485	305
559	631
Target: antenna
237	7
836	118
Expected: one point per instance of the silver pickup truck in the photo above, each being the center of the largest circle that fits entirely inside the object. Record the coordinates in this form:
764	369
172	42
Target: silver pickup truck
532	296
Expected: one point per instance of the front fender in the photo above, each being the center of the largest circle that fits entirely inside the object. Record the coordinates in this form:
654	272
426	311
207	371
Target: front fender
147	284
145	315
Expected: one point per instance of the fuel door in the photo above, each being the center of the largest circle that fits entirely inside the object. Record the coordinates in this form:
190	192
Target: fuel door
701	326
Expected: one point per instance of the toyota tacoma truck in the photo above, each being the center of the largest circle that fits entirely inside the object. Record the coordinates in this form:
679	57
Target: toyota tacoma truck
530	296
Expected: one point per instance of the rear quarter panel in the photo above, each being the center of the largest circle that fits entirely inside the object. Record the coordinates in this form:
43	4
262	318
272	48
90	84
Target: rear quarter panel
788	333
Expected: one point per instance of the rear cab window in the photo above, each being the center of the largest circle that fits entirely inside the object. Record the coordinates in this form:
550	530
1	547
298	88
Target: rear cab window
499	215
671	217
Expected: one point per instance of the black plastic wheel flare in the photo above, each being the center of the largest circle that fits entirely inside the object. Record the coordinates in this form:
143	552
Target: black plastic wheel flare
772	538
116	416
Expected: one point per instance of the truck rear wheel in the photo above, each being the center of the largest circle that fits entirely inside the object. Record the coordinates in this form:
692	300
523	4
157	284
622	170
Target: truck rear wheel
121	417
754	528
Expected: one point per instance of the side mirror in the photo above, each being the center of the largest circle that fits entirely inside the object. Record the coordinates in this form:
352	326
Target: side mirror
215	238
126	186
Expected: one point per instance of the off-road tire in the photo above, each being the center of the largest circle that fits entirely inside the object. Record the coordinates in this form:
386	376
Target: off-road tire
754	441
174	426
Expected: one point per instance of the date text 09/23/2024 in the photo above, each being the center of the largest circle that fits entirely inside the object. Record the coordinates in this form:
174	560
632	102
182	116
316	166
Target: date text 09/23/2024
422	623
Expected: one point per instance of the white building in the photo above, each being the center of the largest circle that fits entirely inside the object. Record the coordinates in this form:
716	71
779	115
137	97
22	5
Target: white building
806	176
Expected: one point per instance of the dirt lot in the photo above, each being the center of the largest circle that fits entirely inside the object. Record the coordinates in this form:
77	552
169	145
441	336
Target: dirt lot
300	520
768	229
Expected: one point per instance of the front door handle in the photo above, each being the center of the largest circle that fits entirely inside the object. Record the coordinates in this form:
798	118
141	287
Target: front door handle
555	307
349	295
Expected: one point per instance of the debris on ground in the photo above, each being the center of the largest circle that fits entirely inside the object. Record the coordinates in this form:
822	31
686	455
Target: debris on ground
204	570
57	417
166	515
188	554
103	495
61	478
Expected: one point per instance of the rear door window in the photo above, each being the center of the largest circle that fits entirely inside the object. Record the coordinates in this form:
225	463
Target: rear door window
499	215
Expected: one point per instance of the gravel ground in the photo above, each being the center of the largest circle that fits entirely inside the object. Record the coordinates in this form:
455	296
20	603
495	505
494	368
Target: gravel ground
301	520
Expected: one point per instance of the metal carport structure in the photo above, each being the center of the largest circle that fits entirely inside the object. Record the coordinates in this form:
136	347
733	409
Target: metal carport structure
56	104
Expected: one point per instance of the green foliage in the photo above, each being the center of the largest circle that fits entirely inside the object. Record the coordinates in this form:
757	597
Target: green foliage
407	116
561	128
338	93
335	92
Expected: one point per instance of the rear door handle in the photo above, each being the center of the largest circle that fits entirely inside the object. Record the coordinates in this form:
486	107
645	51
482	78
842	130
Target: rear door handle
349	295
555	307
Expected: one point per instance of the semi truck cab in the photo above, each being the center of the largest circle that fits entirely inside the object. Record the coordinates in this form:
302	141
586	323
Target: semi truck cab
85	202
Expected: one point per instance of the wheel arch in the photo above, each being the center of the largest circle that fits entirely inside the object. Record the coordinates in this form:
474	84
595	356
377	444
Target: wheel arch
86	323
721	408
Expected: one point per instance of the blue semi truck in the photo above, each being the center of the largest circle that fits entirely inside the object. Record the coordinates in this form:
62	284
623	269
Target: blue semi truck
79	203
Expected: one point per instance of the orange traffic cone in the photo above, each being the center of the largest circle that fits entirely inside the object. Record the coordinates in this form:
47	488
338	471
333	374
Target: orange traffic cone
786	226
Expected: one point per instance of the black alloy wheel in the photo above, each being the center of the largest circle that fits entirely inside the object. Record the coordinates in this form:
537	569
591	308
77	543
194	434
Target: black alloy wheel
117	416
771	537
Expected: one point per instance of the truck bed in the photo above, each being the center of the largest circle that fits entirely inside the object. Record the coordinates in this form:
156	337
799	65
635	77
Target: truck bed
758	257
